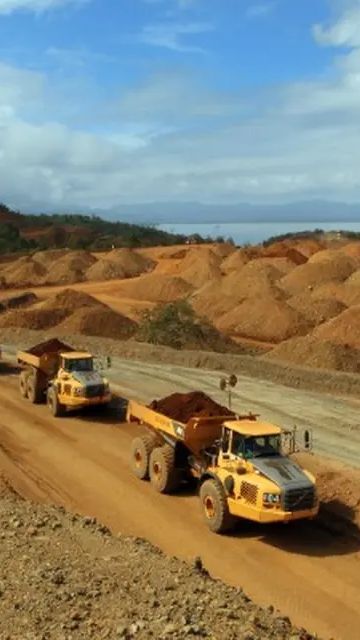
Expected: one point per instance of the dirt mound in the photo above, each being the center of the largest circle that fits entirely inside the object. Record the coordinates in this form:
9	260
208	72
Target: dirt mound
223	249
324	255
235	261
23	300
312	274
49	346
24	272
308	247
155	288
309	351
132	263
37	319
183	406
48	257
255	279
200	266
105	269
344	329
352	249
282	250
211	302
70	268
98	321
71	300
282	264
265	319
316	311
354	280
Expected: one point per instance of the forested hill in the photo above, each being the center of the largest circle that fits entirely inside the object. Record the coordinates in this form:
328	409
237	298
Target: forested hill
19	232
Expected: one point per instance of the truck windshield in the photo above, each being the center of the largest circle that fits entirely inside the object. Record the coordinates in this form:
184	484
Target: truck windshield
256	446
79	364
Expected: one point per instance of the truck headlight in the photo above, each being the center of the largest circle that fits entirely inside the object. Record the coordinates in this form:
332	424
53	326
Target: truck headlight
79	391
271	498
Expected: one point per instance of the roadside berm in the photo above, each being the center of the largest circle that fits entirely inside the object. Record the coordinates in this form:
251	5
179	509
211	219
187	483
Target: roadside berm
66	577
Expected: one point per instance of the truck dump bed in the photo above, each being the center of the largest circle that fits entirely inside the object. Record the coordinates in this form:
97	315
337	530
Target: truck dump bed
196	434
43	356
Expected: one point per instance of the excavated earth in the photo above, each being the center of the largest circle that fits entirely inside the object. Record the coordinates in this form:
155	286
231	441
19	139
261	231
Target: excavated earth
65	577
183	406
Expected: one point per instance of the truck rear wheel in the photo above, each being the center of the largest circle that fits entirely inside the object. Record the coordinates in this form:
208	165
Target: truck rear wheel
33	392
163	475
215	507
54	405
23	384
141	449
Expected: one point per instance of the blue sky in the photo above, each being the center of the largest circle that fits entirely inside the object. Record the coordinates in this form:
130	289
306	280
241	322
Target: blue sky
104	102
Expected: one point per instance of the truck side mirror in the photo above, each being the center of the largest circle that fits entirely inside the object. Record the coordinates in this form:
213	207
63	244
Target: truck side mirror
307	439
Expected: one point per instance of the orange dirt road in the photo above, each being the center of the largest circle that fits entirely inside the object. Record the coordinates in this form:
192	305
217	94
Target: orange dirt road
82	464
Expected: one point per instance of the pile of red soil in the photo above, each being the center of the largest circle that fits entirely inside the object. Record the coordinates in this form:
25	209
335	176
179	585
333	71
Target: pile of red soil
71	300
98	321
235	261
265	319
200	266
310	352
183	406
36	319
24	272
155	288
16	302
48	257
70	268
344	329
282	250
316	310
130	261
336	268
49	346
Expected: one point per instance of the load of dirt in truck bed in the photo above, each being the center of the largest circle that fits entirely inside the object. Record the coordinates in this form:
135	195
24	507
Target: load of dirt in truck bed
70	268
183	406
344	329
265	319
310	352
98	321
155	288
200	266
49	346
313	274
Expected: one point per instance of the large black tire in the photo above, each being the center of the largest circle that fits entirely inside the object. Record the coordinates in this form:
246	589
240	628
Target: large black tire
33	391
163	475
141	449
215	507
54	405
23	384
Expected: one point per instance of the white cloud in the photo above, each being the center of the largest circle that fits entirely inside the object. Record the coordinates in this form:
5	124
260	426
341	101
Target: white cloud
9	6
171	138
171	35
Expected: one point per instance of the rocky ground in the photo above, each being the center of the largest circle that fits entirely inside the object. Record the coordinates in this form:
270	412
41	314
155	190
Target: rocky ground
66	577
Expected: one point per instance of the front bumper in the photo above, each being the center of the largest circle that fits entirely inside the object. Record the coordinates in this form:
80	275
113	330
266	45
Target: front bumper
268	515
78	402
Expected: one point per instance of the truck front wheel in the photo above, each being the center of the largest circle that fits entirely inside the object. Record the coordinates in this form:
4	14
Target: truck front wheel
54	405
23	384
163	475
141	449
215	507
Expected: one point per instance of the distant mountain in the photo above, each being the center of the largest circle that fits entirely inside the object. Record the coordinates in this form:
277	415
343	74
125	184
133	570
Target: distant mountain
190	212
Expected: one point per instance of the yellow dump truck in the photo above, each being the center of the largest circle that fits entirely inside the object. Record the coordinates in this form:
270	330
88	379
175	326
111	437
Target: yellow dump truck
65	379
238	463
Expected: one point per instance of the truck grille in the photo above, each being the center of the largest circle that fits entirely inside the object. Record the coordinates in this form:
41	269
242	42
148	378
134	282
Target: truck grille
95	390
299	499
249	492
